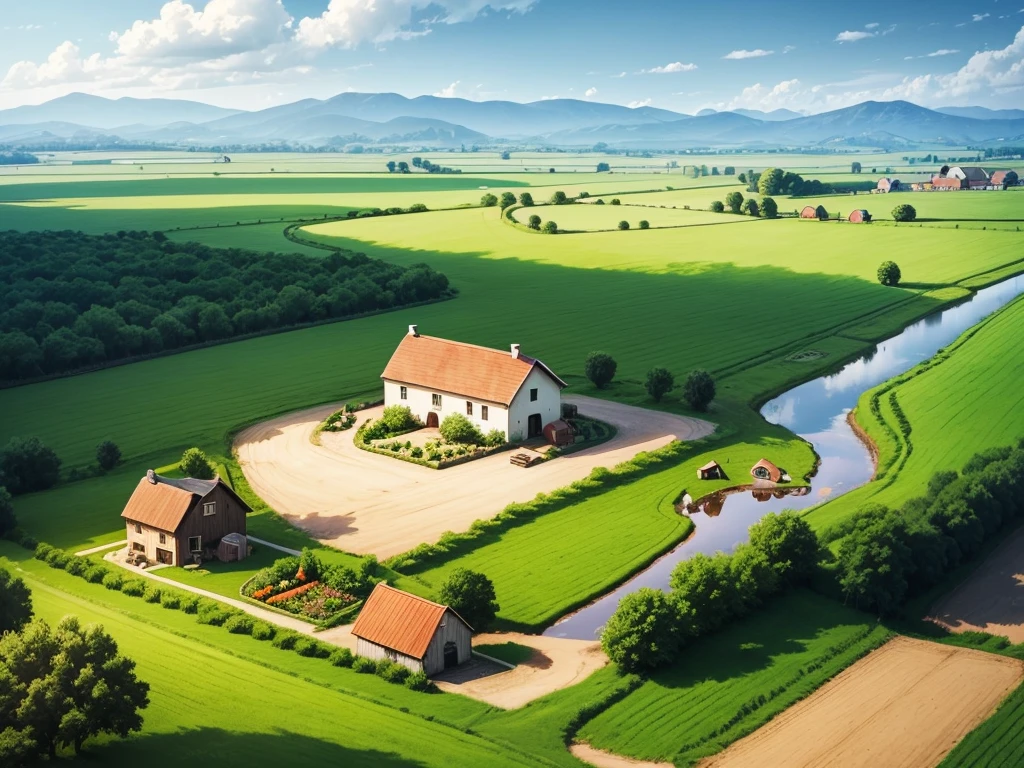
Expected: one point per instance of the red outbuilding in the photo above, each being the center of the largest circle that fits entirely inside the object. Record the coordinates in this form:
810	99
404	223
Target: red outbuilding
860	216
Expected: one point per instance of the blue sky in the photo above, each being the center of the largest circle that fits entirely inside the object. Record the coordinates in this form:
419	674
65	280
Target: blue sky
676	55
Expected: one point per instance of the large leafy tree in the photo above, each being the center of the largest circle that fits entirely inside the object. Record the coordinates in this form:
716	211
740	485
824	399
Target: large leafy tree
707	585
507	199
769	208
734	201
699	390
659	383
889	273
874	561
26	464
645	631
195	464
771	181
790	545
904	212
600	368
7	519
15	604
471	595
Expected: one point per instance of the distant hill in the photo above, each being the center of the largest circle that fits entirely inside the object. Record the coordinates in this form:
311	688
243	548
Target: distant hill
983	113
98	112
774	115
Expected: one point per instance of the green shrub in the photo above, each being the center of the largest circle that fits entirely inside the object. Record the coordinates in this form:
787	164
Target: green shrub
153	593
699	390
889	273
307	646
76	566
416	452
623	225
392	671
285	639
644	224
600	369
398	418
262	630
29	543
57	558
189	604
113	580
341	657
418	681
494	438
195	464
170	600
95	574
241	624
42	550
363	665
717	206
456	428
134	587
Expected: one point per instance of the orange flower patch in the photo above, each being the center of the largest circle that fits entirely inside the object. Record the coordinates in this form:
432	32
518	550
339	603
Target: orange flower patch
291	593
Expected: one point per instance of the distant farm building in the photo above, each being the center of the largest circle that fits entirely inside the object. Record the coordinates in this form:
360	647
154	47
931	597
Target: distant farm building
494	389
811	212
710	471
1004	179
860	216
172	521
412	631
973	176
888	185
765	470
945	183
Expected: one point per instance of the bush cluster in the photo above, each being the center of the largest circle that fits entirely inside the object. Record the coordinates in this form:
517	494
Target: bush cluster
71	300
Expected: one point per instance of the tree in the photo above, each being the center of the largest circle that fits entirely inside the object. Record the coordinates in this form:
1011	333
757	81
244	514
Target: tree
769	208
770	182
70	684
108	455
1011	179
488	200
742	178
391	166
644	224
26	465
644	632
717	206
549	228
658	383
471	595
874	561
8	522
855	167
904	212
750	206
603	167
417	162
623	224
294	304
616	201
526	199
15	610
734	201
791	547
889	273
507	199
600	369
820	213
559	198
456	428
403	167
214	322
534	222
699	390
706	584
506	155
195	464
730	170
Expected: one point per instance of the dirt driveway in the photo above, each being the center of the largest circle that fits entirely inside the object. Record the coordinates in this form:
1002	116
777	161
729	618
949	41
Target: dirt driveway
992	599
905	705
366	503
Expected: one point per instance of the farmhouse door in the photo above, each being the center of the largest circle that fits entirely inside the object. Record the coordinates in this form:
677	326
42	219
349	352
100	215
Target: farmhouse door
432	419
164	556
534	425
451	655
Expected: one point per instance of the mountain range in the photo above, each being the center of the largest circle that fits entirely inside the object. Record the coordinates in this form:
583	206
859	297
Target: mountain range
395	120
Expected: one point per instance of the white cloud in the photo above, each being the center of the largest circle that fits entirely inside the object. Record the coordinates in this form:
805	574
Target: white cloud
669	69
852	36
64	65
639	103
448	92
943	52
872	25
621	74
980	16
590	92
745	54
788	48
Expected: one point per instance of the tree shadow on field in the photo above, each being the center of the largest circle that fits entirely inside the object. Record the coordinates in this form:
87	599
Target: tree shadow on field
215	746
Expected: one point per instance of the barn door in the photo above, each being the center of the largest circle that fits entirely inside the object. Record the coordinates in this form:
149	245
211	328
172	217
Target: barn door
451	655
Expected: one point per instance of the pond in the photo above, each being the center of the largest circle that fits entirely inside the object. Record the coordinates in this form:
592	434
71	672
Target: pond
816	411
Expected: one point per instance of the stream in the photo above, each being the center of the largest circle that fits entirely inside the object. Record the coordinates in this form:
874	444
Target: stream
816	411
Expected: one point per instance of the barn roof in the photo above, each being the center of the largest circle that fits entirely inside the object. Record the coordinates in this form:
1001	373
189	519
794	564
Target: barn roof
162	502
773	470
999	177
971	172
710	465
476	372
400	621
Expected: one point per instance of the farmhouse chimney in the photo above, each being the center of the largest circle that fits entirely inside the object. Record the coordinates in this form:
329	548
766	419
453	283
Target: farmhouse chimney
515	351
151	476
414	330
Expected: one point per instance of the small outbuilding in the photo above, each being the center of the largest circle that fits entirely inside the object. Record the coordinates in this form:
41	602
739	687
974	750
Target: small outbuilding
1004	179
558	433
232	547
808	212
710	471
412	631
888	185
860	216
765	470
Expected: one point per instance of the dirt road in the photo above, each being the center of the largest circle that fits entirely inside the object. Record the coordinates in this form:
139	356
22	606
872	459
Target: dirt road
992	599
905	705
366	503
602	759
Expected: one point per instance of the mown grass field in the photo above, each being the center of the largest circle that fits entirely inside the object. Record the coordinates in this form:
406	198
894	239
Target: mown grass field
997	742
727	685
967	399
591	218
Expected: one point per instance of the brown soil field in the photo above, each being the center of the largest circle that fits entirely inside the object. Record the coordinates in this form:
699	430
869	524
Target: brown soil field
992	599
905	705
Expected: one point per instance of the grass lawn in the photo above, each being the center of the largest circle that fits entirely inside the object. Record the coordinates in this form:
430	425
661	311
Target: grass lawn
727	685
513	653
590	218
966	399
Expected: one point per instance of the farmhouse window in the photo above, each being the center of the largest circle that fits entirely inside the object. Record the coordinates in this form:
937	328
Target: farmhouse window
163	539
435	400
483	413
138	546
195	543
403	392
209	509
533	394
469	408
138	528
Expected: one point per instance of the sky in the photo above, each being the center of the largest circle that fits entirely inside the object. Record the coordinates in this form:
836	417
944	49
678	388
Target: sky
679	55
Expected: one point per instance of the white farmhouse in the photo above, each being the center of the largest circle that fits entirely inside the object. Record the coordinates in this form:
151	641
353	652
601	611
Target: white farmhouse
493	389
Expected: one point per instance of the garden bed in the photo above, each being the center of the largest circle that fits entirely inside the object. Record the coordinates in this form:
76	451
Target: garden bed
384	435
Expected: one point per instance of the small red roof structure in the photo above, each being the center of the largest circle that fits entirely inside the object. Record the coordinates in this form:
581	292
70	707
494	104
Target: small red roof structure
558	432
710	471
860	216
765	470
888	185
162	502
946	182
475	372
400	621
1004	178
808	212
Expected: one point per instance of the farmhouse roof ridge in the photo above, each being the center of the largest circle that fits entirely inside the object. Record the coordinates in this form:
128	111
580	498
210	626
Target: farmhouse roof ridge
400	620
162	502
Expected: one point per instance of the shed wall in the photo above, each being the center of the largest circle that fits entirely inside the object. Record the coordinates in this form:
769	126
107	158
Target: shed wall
229	518
379	652
548	404
452	630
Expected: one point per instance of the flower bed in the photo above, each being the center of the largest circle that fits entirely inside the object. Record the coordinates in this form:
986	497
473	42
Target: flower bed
292	593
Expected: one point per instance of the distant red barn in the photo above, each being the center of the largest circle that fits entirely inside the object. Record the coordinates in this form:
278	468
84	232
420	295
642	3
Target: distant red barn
808	212
860	216
946	183
888	185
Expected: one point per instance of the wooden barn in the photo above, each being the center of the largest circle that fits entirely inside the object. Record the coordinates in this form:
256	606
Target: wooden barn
412	631
860	216
173	520
972	176
1004	179
888	185
710	471
765	470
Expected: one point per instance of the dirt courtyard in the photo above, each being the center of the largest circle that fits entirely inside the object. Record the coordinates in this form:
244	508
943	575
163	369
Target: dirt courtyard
992	599
366	503
906	704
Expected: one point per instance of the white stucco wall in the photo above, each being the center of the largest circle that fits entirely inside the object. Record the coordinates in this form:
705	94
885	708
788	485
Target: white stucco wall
420	402
548	404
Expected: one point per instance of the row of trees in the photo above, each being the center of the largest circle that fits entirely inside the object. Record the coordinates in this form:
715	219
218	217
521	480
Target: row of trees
418	162
736	203
776	181
889	555
698	387
649	627
71	300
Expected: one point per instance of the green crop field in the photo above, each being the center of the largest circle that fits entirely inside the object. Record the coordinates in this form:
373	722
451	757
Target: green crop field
725	686
997	742
966	400
590	218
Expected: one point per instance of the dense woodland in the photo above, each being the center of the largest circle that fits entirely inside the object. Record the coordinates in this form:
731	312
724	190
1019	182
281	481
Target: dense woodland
71	300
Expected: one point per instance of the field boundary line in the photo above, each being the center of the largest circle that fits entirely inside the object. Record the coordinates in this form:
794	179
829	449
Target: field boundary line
100	548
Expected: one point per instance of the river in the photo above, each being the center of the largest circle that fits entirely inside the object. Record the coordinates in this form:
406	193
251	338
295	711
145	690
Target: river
816	411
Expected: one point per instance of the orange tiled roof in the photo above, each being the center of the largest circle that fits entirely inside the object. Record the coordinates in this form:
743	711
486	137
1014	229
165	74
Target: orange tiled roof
159	505
773	471
400	621
476	372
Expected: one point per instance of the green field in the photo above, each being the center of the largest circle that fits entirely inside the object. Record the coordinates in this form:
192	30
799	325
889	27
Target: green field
594	218
997	742
725	686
